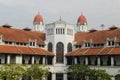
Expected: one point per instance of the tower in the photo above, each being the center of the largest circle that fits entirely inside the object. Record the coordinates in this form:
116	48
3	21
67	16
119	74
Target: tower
81	24
59	38
38	23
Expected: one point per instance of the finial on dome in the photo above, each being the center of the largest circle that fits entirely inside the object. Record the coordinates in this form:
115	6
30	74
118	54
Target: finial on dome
60	17
81	13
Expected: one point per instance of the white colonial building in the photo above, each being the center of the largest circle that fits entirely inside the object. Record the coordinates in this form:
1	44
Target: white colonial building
60	44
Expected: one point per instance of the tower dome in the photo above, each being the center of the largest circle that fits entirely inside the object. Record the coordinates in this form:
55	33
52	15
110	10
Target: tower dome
82	19
38	18
38	23
81	24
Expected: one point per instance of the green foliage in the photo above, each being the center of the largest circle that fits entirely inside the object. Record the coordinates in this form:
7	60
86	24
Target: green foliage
37	72
83	72
15	71
12	71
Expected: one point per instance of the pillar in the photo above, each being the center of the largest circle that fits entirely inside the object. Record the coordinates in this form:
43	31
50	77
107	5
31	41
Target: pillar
17	59
65	76
53	76
43	60
8	59
33	59
75	59
86	60
98	60
113	78
112	61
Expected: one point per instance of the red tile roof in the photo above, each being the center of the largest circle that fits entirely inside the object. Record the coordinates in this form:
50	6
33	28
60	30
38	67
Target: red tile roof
115	51
95	51
23	50
17	35
97	37
105	51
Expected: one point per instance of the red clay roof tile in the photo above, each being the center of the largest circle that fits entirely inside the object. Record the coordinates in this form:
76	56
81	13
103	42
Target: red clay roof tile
23	50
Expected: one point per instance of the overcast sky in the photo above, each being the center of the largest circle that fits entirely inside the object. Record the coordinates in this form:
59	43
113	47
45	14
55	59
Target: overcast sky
20	13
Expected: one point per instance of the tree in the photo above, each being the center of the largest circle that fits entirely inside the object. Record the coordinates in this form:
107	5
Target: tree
83	72
12	71
37	72
99	75
78	71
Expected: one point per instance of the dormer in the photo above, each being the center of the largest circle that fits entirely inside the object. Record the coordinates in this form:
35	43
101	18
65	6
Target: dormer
87	43
0	39
32	42
6	26
111	41
26	29
113	27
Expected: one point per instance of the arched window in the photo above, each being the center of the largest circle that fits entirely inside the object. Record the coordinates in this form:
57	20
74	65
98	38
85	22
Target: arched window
69	47
59	52
50	46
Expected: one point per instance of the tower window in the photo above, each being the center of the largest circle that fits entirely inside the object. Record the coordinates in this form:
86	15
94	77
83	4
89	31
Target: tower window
69	47
50	47
59	52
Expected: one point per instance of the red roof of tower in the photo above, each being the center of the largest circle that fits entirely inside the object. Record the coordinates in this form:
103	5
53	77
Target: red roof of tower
38	18
82	19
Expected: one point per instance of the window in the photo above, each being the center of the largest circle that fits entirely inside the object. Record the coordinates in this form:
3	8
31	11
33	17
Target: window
111	43
50	47
59	76
87	44
69	47
60	31
59	52
32	43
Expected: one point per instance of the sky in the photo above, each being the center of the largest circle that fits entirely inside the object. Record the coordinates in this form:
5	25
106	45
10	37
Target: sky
20	13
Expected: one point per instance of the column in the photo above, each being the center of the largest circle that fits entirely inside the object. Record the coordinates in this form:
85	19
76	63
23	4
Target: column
112	61
8	59
65	60
53	76
98	60
20	59
43	60
17	59
33	59
65	76
75	59
86	60
113	78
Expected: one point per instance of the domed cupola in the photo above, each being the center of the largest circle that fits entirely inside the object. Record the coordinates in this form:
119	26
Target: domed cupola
38	23
82	19
81	24
38	18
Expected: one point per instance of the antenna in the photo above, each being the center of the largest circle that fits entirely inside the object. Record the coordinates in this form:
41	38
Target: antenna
102	26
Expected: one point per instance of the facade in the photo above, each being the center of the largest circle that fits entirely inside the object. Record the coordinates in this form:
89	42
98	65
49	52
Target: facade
60	44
